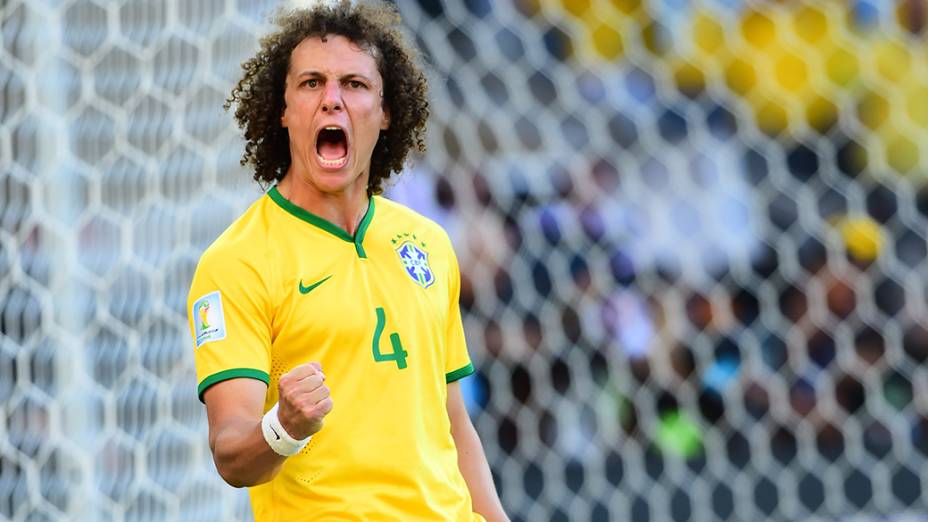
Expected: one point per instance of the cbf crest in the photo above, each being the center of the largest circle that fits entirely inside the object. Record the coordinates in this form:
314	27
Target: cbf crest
415	259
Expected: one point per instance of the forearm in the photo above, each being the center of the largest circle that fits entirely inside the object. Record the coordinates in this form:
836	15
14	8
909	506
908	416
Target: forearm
472	462
242	456
234	409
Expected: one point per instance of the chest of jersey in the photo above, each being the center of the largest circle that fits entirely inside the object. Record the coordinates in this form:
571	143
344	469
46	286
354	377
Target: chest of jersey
375	313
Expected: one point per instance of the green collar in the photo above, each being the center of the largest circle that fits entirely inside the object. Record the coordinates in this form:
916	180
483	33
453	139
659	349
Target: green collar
322	223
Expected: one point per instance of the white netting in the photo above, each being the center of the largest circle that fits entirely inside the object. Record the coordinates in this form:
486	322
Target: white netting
692	236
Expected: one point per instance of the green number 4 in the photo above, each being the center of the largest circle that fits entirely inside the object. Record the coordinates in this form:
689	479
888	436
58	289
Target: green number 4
398	354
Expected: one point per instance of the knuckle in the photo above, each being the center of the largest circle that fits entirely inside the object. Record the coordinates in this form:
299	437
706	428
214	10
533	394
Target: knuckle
291	397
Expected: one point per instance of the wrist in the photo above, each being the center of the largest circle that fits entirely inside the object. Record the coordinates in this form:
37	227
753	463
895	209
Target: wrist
277	437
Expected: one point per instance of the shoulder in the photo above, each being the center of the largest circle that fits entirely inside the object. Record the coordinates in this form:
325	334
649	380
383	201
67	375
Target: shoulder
400	215
245	239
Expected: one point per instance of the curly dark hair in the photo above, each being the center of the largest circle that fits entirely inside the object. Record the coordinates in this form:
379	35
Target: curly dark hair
259	95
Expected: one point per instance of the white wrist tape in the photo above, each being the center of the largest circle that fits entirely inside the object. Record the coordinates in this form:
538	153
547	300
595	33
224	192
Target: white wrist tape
277	437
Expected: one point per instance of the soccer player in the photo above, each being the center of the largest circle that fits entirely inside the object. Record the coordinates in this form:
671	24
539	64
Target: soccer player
328	338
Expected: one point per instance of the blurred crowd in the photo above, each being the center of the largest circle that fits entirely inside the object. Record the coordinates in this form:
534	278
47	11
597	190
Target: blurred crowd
721	248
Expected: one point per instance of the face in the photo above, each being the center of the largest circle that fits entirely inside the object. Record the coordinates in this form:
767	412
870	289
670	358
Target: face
334	113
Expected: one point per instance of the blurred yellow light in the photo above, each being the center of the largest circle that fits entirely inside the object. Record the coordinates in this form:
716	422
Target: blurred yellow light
688	77
771	117
740	76
758	30
811	24
872	110
708	34
629	7
862	237
607	41
821	114
892	59
841	67
901	153
577	8
916	105
791	73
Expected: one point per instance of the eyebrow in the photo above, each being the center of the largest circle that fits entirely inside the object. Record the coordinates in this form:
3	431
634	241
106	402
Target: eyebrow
317	74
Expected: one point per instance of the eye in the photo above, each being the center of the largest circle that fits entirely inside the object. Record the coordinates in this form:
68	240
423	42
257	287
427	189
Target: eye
355	84
312	83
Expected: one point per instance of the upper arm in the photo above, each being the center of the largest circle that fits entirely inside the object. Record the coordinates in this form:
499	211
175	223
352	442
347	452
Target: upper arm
457	411
230	313
232	401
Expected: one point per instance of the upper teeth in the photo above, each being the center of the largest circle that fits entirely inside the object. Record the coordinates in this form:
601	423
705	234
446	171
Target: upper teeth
332	128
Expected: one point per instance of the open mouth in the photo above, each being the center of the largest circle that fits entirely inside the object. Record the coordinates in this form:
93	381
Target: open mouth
332	147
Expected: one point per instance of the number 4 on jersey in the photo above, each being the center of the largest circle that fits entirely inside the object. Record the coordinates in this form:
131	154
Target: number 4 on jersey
398	354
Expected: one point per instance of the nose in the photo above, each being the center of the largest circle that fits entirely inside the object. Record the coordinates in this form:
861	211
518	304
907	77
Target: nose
332	98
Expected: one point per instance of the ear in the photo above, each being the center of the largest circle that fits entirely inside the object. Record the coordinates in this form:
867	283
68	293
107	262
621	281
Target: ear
385	124
283	105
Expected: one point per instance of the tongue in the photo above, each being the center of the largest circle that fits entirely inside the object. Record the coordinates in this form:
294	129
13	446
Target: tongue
332	150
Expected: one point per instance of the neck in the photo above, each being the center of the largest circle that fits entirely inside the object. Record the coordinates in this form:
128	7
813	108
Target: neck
343	209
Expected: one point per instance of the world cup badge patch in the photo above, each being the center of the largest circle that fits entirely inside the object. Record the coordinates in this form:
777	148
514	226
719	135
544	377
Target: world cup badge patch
208	320
415	259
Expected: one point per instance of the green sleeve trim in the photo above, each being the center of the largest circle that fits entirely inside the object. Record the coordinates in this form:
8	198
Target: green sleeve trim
460	373
234	373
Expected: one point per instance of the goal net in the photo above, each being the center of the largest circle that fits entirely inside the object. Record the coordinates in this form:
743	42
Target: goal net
692	237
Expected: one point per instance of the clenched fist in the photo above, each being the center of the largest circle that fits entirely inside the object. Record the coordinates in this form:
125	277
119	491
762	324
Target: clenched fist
303	400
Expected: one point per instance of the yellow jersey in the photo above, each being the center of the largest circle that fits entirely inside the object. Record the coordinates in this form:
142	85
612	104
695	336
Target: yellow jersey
379	311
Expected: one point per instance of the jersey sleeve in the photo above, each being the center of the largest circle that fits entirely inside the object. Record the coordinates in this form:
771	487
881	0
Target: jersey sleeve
457	362
230	320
